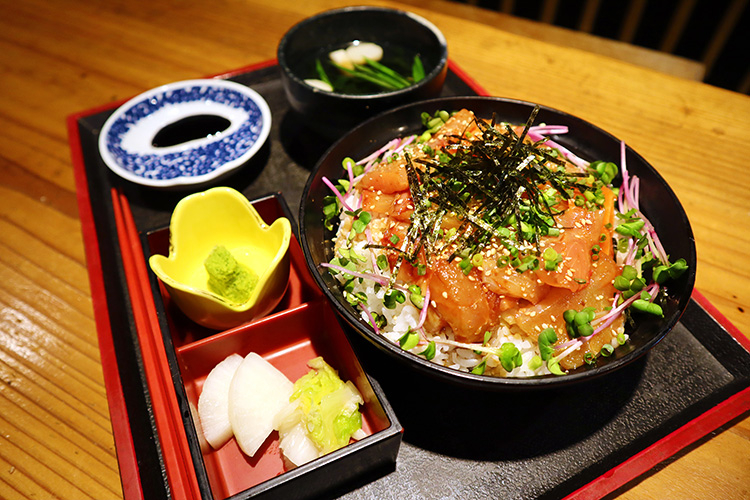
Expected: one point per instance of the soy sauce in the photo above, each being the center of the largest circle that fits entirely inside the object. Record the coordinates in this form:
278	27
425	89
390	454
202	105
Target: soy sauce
189	129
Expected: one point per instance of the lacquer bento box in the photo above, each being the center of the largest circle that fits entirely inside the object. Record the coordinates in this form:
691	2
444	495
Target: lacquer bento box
300	328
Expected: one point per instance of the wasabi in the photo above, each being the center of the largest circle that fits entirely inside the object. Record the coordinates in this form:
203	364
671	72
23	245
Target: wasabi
228	278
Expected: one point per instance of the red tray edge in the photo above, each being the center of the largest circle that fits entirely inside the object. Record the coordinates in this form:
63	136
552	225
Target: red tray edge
679	439
122	434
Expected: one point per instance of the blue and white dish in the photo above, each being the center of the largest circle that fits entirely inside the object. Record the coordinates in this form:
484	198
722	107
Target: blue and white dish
126	141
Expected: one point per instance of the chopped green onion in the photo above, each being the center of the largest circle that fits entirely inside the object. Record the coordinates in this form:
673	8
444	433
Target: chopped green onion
430	351
479	369
510	356
382	262
545	341
392	298
551	259
535	363
415	296
645	306
409	340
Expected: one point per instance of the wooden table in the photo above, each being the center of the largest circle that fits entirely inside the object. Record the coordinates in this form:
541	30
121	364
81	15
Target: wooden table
59	57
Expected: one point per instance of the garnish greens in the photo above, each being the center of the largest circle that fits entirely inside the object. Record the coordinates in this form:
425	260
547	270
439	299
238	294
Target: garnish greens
357	70
499	186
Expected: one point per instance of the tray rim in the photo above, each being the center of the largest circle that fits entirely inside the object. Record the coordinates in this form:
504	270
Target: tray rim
735	406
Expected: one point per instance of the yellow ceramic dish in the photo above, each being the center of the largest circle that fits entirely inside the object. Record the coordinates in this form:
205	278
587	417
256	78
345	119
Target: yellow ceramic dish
223	216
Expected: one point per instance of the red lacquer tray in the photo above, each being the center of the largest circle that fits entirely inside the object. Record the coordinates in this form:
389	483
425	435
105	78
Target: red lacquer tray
154	362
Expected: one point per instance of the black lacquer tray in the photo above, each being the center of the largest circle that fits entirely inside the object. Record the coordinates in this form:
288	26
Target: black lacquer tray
586	441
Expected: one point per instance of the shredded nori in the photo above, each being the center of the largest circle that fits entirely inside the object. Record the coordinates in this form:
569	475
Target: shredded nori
497	184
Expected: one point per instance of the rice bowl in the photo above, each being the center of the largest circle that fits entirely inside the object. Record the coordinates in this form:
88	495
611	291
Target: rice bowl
450	353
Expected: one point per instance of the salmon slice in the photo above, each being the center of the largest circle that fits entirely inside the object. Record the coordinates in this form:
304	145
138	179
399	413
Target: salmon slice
534	318
507	282
583	229
463	122
461	301
387	177
397	206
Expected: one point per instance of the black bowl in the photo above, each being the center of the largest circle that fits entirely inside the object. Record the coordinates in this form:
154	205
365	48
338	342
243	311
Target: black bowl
658	202
332	113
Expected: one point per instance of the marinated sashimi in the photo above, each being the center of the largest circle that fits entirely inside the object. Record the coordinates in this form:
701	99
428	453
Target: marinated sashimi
388	178
463	303
486	247
581	233
532	318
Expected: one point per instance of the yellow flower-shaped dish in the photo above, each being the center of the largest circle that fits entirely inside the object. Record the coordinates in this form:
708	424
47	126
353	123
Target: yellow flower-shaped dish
223	216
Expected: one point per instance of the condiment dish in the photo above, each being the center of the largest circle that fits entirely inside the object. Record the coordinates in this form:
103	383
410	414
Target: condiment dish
185	134
223	216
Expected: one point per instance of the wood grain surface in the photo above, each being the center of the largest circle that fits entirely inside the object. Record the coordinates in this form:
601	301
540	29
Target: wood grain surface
58	57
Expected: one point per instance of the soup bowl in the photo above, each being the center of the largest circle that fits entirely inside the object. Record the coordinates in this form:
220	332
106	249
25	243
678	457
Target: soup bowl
402	36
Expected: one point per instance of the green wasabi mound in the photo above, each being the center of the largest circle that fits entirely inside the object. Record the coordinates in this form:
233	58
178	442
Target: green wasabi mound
227	277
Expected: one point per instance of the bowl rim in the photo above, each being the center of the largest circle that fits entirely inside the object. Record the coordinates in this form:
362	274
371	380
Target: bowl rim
486	382
435	72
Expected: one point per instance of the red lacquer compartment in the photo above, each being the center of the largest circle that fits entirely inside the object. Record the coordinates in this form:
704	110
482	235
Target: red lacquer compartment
288	340
300	290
